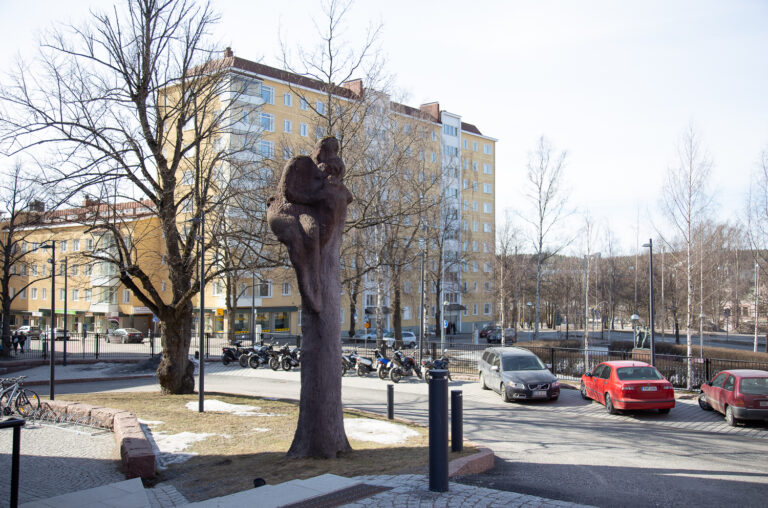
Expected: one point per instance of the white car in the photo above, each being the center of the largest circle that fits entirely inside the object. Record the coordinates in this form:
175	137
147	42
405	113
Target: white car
409	339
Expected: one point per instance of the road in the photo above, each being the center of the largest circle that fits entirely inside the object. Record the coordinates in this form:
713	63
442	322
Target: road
570	450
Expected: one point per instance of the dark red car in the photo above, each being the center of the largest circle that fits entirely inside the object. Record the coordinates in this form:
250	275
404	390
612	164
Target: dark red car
740	394
628	385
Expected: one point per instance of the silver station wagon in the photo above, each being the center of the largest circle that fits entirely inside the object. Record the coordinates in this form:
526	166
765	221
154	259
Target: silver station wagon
516	374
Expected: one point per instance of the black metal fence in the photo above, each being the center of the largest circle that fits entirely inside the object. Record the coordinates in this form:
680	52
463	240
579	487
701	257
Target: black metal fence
571	363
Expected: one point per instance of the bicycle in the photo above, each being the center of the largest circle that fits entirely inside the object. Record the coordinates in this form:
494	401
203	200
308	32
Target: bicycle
13	394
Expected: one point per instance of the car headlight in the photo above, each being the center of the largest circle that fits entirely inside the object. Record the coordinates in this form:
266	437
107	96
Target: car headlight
513	384
556	384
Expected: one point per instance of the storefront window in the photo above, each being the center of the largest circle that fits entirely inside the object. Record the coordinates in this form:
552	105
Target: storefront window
263	320
282	323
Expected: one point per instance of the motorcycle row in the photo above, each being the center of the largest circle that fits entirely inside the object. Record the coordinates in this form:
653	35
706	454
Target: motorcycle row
286	357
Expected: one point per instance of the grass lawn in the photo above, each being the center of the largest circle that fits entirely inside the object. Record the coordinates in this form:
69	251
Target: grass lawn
243	447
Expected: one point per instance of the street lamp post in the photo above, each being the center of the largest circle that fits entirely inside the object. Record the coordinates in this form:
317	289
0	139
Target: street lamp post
650	277
421	311
253	309
51	382
66	333
201	340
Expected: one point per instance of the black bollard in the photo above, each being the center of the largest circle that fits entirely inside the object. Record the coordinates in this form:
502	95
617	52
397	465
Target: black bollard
391	401
438	430
457	418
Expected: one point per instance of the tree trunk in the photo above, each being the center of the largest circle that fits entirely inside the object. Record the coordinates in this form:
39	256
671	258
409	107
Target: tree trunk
175	372
6	329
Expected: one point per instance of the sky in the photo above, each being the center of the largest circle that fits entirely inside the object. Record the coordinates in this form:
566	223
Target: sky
614	84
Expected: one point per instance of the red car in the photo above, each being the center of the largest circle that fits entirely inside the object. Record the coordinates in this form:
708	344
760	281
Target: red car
739	394
628	385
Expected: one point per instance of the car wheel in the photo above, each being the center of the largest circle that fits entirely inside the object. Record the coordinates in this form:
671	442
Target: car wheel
583	391
703	404
664	411
482	382
553	399
609	404
504	394
730	419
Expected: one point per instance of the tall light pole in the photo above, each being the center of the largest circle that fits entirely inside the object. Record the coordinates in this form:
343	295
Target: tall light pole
757	306
253	309
201	340
650	278
66	333
51	382
421	311
663	309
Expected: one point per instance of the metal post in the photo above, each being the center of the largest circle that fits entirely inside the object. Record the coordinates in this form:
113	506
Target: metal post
152	341
16	424
98	341
253	309
421	312
66	332
391	401
457	418
650	276
438	430
201	382
52	336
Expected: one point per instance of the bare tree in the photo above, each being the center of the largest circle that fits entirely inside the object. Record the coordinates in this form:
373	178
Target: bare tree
685	201
548	203
757	226
131	104
21	212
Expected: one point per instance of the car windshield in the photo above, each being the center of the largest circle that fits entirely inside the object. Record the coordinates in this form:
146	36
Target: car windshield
638	374
132	330
754	386
512	363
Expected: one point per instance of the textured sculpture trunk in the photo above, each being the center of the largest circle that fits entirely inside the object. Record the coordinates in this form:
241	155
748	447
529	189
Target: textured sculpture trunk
307	215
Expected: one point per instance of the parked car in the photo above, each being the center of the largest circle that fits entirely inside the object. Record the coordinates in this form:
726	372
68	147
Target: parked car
739	394
409	339
517	374
494	336
628	385
124	335
31	332
60	334
484	331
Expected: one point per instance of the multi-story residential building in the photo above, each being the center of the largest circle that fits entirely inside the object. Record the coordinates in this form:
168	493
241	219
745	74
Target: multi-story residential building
279	114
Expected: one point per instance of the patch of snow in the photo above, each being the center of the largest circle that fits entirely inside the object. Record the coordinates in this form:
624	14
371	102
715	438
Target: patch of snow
149	422
169	447
260	429
377	431
225	407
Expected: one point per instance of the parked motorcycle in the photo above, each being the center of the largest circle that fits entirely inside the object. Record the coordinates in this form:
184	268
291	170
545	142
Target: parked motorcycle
231	353
259	356
274	356
383	364
403	365
290	359
347	362
441	363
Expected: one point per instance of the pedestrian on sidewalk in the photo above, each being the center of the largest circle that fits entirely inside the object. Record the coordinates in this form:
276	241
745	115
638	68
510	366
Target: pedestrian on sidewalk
22	341
15	342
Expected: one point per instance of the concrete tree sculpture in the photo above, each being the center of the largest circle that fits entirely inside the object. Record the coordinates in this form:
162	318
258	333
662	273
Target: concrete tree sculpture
307	215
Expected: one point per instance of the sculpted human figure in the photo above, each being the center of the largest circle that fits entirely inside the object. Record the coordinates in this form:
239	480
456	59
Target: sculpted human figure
309	206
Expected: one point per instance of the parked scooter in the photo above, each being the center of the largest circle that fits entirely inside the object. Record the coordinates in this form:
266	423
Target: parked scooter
441	363
383	364
230	354
347	362
363	365
403	366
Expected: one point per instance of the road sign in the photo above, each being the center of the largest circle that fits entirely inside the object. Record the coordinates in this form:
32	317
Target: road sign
367	325
219	312
155	319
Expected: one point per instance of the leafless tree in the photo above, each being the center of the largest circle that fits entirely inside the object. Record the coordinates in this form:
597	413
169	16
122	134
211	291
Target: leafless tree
548	205
757	225
131	104
685	201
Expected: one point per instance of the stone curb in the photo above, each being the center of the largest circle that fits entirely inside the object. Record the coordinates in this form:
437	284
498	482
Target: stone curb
476	463
44	382
136	453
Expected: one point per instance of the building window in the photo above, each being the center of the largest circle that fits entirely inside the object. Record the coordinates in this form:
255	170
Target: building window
303	104
303	129
474	226
474	166
287	99
320	107
474	246
23	294
287	126
487	188
267	122
75	295
487	208
87	269
75	270
487	227
62	295
406	313
487	267
433	156
474	309
33	293
268	94
75	245
319	132
286	152
286	289
216	288
487	168
162	286
44	294
88	295
465	163
475	266
89	244
487	149
466	144
126	296
264	289
474	146
434	136
487	309
267	149
341	315
63	246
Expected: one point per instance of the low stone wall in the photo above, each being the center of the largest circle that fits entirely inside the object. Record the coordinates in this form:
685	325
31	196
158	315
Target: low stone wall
136	453
476	463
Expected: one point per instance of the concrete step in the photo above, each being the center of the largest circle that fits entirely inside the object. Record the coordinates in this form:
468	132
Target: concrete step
275	496
125	494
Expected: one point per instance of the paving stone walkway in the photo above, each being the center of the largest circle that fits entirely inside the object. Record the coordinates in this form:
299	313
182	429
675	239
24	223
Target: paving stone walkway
58	459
